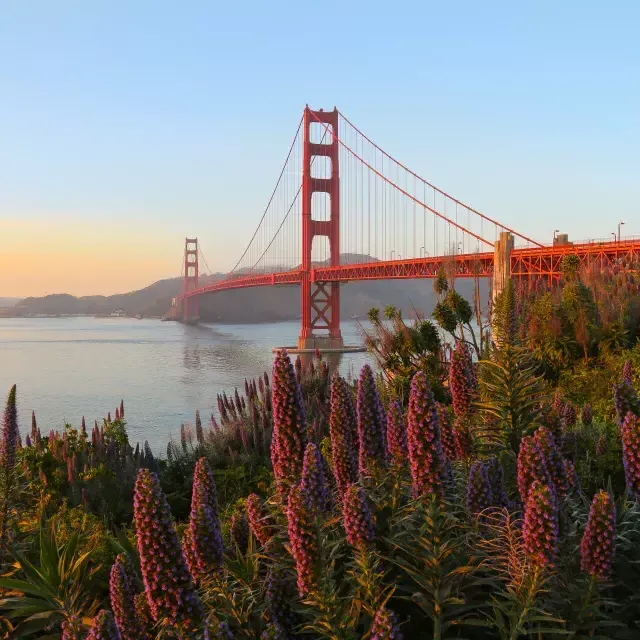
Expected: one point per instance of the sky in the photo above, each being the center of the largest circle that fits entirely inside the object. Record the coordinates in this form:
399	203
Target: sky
127	125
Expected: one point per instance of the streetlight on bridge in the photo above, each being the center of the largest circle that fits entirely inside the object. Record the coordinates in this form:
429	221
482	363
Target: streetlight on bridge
555	231
619	225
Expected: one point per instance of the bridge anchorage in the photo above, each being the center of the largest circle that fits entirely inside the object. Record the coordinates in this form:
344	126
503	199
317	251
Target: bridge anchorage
343	210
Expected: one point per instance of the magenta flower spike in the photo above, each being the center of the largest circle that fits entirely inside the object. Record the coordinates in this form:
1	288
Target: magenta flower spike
303	540
341	430
423	439
385	625
289	424
479	495
630	433
371	424
554	461
461	379
396	435
10	432
122	593
586	415
73	629
258	524
104	627
199	431
625	400
598	544
447	432
357	519
627	372
239	531
168	584
313	482
570	415
531	466
34	428
540	527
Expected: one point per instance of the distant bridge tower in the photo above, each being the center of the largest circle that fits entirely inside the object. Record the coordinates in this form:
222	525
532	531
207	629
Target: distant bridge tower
320	300
190	313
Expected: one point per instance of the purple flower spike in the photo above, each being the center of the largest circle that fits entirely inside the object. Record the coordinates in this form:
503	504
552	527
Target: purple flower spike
423	439
10	432
357	519
385	625
461	379
122	593
601	445
570	472
630	433
586	415
203	546
396	435
625	400
34	428
540	528
313	482
303	540
199	431
532	466
371	424
447	432
554	461
289	424
239	531
280	593
598	544
257	520
479	496
627	373
224	633
104	627
496	481
168	584
342	431
73	629
570	415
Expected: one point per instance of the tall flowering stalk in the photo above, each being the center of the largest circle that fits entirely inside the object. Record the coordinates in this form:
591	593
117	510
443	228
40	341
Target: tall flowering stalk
203	544
104	627
303	540
531	466
10	433
586	415
279	595
447	432
554	461
385	625
289	424
461	379
630	433
313	482
601	445
423	439
371	424
239	531
540	527
627	372
168	584
341	430
357	518
598	544
199	431
625	400
479	495
396	435
495	473
122	593
570	415
256	517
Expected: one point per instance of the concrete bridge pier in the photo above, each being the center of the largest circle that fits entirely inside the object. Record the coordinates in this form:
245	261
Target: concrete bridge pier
501	263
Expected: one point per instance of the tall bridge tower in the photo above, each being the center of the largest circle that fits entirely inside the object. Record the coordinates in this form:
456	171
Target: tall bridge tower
190	308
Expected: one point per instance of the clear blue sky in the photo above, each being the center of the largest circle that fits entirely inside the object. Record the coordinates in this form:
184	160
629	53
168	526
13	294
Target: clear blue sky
125	126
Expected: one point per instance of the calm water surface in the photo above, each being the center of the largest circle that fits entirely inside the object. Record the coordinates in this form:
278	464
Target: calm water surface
69	367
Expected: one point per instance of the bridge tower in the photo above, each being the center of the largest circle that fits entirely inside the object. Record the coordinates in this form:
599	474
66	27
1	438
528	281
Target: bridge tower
190	314
320	300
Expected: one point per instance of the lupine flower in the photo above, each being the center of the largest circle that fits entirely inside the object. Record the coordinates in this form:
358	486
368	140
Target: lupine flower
569	415
303	540
104	627
313	482
341	430
447	434
167	581
627	372
586	415
203	547
280	593
239	531
601	445
630	433
289	424
460	379
122	593
396	435
495	474
199	431
73	629
257	520
625	400
385	625
540	527
532	466
357	519
423	439
10	432
555	465
598	544
479	496
371	424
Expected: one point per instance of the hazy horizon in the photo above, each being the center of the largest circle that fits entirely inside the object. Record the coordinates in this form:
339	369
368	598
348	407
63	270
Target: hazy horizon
127	126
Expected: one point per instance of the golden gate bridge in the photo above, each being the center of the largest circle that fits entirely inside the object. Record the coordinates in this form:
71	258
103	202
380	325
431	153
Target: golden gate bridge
343	209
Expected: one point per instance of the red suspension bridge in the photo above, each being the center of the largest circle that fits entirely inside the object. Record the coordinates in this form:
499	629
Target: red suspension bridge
343	209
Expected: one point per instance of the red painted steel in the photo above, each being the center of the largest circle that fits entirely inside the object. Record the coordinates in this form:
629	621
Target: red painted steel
190	311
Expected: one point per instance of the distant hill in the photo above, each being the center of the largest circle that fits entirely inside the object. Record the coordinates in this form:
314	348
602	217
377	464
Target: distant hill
261	304
8	302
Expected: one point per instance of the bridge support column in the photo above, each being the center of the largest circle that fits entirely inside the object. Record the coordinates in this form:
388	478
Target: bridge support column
501	263
320	300
190	307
